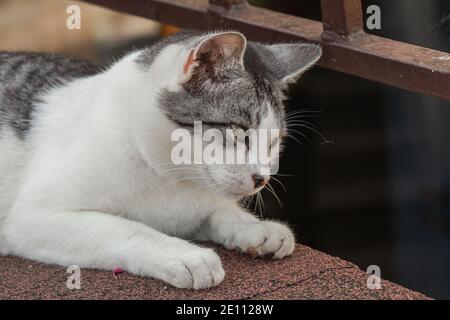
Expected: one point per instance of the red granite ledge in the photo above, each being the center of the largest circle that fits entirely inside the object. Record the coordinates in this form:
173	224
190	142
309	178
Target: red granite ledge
307	274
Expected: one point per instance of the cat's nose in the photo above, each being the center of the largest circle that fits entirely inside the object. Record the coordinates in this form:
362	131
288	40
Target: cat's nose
259	180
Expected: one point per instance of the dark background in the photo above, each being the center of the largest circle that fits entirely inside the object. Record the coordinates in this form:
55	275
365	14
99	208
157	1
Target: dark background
380	194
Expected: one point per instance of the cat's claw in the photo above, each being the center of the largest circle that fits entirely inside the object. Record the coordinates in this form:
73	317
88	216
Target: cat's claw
266	239
196	269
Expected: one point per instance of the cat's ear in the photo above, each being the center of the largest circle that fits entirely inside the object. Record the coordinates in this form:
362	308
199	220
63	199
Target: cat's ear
220	50
289	61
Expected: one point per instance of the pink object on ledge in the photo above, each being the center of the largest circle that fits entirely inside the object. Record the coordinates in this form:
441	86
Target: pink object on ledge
117	271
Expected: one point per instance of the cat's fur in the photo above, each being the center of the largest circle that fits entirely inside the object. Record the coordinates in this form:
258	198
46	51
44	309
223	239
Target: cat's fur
85	170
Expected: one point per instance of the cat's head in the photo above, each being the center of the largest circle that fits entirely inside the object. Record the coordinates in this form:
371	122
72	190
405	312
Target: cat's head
228	84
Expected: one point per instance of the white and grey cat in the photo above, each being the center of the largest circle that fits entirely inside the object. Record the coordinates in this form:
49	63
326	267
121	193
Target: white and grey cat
85	171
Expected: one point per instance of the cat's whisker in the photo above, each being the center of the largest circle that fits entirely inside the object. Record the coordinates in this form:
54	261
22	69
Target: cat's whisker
272	191
209	186
283	175
167	167
193	178
218	190
302	111
263	205
169	175
280	183
290	134
255	208
186	179
246	201
300	117
252	201
297	121
178	170
173	172
325	140
180	167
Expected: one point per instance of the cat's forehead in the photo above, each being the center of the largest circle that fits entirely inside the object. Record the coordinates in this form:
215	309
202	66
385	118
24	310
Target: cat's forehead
241	100
246	100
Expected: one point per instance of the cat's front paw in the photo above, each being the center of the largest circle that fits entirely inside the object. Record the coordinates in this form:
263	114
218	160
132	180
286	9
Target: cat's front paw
264	239
198	269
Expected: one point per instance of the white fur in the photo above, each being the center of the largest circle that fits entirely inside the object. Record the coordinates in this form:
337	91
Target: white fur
87	187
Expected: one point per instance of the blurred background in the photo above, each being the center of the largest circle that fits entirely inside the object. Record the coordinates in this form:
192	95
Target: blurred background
378	195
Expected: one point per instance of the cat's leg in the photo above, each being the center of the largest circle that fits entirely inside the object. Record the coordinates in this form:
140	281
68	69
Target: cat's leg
236	229
103	241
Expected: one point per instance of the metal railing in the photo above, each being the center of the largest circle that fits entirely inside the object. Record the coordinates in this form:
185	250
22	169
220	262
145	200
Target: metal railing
347	48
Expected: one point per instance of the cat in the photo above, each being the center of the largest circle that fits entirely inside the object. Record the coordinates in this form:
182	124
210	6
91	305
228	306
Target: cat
85	171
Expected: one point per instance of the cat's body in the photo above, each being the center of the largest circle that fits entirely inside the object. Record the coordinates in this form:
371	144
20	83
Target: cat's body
85	170
64	128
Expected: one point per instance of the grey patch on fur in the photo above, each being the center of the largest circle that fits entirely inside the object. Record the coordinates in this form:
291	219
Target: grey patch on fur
230	95
286	60
24	77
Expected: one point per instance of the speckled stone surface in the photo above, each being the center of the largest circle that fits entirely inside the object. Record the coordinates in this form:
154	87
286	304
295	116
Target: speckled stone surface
307	274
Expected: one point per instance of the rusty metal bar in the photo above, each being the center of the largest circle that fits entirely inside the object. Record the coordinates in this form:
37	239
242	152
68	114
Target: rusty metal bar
227	4
394	63
342	17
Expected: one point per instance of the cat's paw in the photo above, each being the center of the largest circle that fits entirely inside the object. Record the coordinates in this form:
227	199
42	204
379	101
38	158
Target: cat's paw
264	239
198	269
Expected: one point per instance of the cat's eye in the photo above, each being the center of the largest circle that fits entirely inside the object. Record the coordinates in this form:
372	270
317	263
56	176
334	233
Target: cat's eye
274	142
239	134
237	130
